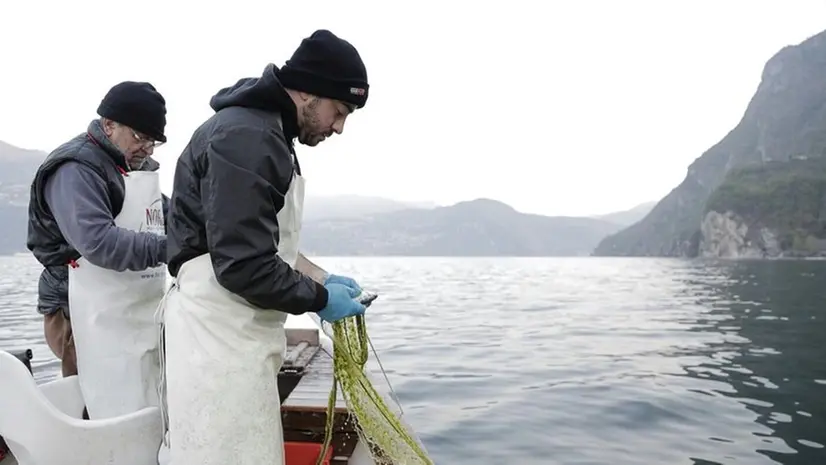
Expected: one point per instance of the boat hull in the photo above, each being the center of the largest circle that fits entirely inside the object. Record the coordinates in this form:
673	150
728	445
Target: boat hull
306	380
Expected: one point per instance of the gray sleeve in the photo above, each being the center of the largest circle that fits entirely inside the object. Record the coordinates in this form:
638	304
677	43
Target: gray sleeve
79	201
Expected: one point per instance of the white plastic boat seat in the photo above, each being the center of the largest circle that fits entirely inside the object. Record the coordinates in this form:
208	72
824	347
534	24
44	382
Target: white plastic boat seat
43	425
64	394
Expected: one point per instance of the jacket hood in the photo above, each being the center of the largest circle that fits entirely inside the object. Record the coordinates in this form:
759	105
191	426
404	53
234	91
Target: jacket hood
263	93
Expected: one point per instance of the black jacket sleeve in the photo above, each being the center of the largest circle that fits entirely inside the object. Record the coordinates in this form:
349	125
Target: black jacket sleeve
244	166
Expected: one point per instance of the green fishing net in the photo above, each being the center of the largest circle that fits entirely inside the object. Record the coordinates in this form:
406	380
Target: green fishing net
382	431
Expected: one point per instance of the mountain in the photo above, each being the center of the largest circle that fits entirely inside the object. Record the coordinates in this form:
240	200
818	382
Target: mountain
344	206
628	217
479	227
357	225
18	168
760	190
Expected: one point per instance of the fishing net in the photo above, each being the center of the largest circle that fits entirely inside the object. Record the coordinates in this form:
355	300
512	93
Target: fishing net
382	431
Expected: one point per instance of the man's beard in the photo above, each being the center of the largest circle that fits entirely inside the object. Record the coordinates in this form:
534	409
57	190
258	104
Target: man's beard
310	134
136	163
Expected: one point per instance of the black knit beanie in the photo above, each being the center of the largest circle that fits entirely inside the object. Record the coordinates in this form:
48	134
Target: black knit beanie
137	105
327	66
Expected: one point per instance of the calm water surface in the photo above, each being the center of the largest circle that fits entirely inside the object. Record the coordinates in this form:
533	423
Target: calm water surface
579	361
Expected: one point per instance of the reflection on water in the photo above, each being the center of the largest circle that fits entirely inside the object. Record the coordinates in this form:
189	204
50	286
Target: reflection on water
20	326
772	358
579	361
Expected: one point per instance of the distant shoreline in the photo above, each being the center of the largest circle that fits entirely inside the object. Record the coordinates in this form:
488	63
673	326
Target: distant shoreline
705	259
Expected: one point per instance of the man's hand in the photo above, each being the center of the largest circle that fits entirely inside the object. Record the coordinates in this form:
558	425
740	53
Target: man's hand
337	279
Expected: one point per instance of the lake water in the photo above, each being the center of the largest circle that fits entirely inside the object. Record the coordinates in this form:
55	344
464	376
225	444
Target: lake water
581	360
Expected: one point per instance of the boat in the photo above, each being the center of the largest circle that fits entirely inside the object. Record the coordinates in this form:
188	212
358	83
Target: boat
304	384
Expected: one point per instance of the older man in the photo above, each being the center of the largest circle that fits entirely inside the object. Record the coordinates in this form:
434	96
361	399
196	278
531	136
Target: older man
234	222
96	224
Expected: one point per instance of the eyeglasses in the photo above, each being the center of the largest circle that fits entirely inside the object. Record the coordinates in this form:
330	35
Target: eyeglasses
145	141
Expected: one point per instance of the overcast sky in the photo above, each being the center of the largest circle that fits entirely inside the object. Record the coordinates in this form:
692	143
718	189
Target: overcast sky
577	107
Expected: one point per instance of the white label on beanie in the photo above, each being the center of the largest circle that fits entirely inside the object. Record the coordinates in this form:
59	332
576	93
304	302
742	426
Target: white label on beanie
356	91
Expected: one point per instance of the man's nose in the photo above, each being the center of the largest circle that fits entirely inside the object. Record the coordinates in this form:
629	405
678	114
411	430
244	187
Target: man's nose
338	127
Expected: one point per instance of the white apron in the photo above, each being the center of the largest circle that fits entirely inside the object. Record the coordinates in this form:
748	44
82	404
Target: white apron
222	361
112	315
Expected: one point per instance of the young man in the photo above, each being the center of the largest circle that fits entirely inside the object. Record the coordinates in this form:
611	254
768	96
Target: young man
234	224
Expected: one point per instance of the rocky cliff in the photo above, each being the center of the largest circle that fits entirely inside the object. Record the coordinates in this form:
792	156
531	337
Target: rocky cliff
785	121
776	209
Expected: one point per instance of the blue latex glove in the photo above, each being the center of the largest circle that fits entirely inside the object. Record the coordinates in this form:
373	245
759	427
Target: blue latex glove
340	303
338	279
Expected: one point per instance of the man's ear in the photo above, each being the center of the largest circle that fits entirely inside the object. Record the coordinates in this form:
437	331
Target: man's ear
108	126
